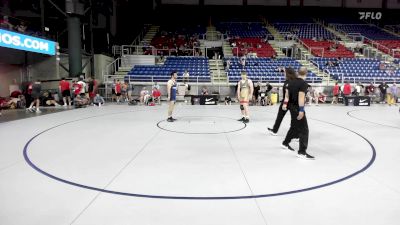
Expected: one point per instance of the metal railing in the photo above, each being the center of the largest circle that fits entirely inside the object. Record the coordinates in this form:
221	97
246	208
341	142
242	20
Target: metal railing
141	35
112	68
151	50
372	43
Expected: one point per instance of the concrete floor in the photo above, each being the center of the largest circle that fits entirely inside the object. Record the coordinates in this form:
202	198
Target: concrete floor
123	164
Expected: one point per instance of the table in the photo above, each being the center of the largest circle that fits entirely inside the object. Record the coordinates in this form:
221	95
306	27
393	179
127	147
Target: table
204	99
357	100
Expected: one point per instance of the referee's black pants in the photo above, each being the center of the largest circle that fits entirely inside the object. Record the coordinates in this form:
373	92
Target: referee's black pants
279	118
298	128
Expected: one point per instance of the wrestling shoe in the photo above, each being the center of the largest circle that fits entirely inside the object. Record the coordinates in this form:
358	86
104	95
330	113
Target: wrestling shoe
272	132
305	156
287	147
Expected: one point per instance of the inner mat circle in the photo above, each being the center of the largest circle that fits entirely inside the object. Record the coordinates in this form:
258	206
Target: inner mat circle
202	125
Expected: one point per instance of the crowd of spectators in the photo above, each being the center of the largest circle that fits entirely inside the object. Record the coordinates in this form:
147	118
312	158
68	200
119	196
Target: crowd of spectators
15	25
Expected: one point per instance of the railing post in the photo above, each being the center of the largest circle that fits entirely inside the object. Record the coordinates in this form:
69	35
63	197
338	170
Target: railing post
197	82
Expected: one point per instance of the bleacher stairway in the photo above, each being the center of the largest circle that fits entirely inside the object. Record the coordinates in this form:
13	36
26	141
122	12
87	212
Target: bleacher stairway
277	38
326	79
227	49
217	72
151	33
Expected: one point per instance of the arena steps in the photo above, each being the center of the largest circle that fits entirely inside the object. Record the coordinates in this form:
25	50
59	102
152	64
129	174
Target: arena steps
212	34
227	49
217	71
274	32
326	79
277	37
277	49
148	37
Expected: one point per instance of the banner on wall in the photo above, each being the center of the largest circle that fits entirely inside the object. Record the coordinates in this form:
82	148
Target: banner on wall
9	39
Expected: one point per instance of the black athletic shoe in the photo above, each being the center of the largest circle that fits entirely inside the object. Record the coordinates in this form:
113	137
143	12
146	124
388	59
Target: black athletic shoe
241	119
246	120
271	131
305	156
287	147
170	119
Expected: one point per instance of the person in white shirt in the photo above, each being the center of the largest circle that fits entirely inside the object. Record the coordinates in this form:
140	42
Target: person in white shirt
82	83
186	76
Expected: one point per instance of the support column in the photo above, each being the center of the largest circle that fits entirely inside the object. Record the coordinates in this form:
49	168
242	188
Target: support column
74	46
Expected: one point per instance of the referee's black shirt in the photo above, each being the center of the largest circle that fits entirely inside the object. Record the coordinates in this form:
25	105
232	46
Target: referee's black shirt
294	87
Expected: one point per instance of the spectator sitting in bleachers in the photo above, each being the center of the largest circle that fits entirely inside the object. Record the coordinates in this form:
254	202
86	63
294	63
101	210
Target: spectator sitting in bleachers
21	27
5	23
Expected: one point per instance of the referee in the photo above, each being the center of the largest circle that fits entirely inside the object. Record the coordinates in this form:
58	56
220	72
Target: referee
294	101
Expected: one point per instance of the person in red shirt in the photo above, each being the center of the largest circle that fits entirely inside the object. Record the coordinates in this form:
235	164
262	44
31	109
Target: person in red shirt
65	91
336	92
156	95
77	88
347	89
118	90
92	88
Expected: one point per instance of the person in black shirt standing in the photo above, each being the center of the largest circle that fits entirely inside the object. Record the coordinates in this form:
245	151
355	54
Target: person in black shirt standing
294	101
290	75
36	92
257	87
383	87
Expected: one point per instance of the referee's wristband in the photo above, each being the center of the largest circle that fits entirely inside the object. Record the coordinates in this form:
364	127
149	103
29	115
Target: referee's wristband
301	109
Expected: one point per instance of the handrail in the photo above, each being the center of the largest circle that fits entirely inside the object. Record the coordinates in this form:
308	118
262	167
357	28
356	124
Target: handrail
111	68
134	50
140	36
371	42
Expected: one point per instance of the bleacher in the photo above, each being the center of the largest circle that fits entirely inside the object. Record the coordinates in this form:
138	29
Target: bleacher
316	37
375	34
327	52
389	46
370	31
251	45
243	29
198	68
174	38
357	70
265	69
308	30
